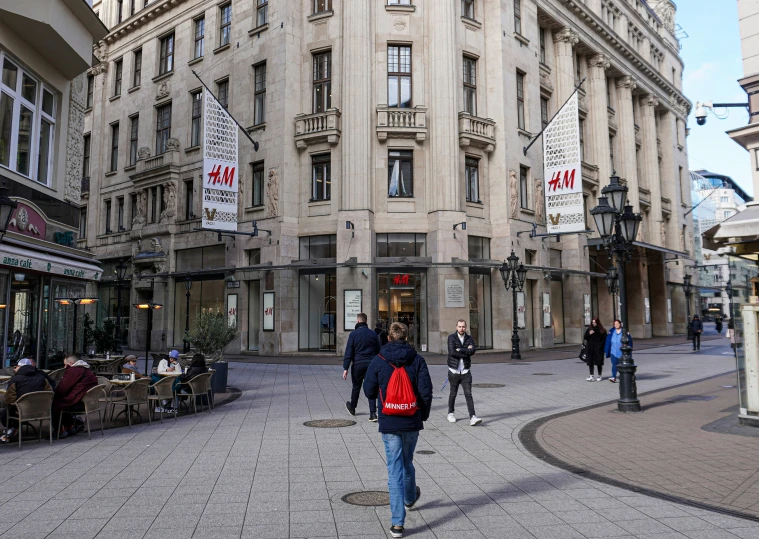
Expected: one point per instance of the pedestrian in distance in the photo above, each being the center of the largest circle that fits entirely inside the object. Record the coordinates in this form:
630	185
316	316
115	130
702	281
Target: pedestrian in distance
613	347
718	324
400	378
696	328
381	333
461	348
363	345
595	336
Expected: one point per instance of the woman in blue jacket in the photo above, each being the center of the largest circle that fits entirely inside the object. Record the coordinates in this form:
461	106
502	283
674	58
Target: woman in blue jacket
613	348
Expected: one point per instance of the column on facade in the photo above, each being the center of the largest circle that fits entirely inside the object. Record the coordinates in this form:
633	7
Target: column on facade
599	117
627	167
564	41
650	150
670	176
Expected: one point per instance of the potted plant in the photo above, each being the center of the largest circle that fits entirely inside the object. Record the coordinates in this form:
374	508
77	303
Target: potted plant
210	336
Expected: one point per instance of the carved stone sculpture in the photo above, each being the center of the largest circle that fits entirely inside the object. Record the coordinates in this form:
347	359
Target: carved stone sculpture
272	193
163	90
143	153
514	194
155	245
142	208
172	145
539	202
169	200
100	51
663	233
665	9
74	141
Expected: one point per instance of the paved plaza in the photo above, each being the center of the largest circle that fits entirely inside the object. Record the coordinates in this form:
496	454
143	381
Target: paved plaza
252	469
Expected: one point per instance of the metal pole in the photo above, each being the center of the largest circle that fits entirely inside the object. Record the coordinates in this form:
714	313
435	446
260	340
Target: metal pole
622	290
187	325
118	316
515	354
689	334
147	338
628	389
73	349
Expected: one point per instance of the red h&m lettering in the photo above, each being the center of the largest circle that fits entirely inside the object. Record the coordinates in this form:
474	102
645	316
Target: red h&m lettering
216	176
556	183
401	279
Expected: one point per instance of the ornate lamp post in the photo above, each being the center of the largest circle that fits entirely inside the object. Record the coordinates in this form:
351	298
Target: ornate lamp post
688	290
187	287
150	307
7	205
513	274
612	283
618	227
120	274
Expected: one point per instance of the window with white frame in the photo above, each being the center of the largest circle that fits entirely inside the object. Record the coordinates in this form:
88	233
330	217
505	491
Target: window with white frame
321	177
322	81
166	57
259	94
470	85
472	179
134	129
118	76
200	37
518	16
114	147
27	123
262	12
399	76
225	29
320	6
197	123
137	69
520	100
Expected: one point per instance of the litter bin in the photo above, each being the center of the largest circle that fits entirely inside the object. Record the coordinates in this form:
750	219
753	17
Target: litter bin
219	380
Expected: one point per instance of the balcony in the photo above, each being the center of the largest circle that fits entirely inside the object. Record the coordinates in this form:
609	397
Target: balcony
401	123
476	132
170	157
666	205
645	196
317	128
589	175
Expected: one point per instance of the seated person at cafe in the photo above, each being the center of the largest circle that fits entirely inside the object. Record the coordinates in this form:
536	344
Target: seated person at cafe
198	366
130	367
167	366
26	379
77	379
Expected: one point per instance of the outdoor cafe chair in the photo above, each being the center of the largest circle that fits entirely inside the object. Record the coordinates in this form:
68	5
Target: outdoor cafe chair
112	394
91	401
111	368
135	394
57	374
162	390
34	406
199	387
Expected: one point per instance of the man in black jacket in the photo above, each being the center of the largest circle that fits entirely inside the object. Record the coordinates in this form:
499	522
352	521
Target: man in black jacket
461	348
363	345
400	433
26	379
696	328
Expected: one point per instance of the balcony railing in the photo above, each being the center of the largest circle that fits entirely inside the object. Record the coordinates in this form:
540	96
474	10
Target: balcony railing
589	174
401	123
476	132
317	128
170	157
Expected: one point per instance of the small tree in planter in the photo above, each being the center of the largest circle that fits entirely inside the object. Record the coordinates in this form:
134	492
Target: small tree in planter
212	333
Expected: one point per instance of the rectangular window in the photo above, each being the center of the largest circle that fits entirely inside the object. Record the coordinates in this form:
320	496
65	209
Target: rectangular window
86	156
399	76
222	92
132	208
479	248
518	16
398	2
581	124
472	179
166	59
259	94
225	22
401	245
467	9
137	70
120	213
400	174
163	128
320	6
119	11
544	112
520	100
724	200
114	147
117	76
542	35
83	222
200	37
188	200
133	132
107	216
258	184
324	246
524	191
727	214
197	125
154	204
470	85
262	12
90	90
321	177
322	81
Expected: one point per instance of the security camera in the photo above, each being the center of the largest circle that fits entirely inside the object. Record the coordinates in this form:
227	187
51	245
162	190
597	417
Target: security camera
701	112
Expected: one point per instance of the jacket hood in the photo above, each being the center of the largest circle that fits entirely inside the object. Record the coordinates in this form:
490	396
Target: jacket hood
81	363
361	325
26	370
398	353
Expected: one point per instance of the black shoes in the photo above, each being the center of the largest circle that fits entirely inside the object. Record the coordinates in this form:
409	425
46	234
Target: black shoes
351	409
411	505
396	531
372	417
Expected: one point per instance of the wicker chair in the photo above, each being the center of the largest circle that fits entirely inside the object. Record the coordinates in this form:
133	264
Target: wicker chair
135	394
34	406
113	394
199	386
162	390
91	401
56	375
109	369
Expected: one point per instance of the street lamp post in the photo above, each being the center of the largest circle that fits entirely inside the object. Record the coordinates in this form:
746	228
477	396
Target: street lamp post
688	290
120	274
513	274
187	286
150	307
618	227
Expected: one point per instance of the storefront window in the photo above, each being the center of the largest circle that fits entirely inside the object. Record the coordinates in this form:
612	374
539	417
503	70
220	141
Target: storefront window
317	312
61	335
399	245
318	247
23	322
480	308
479	248
254	313
402	297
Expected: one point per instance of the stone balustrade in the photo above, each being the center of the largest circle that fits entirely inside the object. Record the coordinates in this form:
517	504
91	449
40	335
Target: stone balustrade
168	158
317	128
401	123
476	132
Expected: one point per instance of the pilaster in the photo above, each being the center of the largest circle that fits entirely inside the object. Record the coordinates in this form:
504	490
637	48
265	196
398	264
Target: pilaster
670	180
628	169
650	150
599	117
564	42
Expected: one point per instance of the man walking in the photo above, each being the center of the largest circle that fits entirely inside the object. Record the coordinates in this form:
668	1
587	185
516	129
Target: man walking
461	348
363	345
400	432
696	328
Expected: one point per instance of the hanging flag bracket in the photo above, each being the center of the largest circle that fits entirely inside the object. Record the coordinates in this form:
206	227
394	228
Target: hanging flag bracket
549	121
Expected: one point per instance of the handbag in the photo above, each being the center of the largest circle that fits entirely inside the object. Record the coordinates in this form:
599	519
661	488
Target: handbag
584	353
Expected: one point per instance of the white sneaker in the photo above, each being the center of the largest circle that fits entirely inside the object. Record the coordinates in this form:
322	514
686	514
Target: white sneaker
158	410
451	418
599	378
475	421
589	378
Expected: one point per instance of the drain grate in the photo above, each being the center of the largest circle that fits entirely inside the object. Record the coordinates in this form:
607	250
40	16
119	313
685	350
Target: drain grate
329	423
488	386
425	452
367	498
542	374
691	398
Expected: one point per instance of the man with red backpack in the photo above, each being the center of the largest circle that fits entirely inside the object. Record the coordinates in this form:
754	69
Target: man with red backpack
398	376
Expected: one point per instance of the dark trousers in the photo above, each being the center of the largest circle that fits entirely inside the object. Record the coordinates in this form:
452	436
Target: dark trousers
68	420
696	340
10	423
590	366
358	373
465	381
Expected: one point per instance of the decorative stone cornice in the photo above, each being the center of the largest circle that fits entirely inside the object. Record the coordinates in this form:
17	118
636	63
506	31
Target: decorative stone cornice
600	61
651	101
567	35
140	19
627	82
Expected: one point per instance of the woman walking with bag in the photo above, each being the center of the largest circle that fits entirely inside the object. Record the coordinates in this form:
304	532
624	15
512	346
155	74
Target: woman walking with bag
595	336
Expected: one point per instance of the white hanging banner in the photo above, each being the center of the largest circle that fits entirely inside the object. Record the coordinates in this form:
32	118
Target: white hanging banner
565	208
220	174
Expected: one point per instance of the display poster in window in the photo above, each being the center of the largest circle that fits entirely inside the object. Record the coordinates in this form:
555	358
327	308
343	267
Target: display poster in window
351	308
547	310
220	167
454	293
232	310
647	306
669	310
521	324
586	308
565	207
268	311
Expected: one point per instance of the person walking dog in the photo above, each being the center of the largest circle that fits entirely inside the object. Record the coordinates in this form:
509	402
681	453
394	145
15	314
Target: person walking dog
613	347
696	329
595	336
400	378
461	348
363	345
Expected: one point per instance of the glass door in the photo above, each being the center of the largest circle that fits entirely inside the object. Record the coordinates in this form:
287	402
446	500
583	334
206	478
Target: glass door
480	309
402	298
24	317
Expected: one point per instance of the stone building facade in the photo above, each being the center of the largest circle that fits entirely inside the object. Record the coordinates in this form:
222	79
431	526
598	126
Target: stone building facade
383	126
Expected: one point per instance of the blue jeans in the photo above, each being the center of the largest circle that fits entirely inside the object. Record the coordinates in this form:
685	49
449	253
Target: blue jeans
614	363
401	476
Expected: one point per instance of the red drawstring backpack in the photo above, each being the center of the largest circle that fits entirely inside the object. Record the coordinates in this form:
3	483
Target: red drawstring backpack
400	398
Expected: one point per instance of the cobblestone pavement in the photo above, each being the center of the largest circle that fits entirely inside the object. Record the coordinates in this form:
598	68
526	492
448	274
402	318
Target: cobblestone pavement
252	469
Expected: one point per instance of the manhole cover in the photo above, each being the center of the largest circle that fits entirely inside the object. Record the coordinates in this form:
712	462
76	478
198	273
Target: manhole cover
367	498
542	374
488	386
686	398
329	423
425	452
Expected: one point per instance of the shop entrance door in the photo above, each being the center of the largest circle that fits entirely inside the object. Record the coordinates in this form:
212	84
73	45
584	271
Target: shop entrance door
24	318
402	298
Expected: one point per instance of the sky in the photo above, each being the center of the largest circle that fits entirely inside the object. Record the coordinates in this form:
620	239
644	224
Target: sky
713	64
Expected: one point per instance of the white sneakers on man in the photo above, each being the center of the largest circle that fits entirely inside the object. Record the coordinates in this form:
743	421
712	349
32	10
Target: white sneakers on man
589	378
475	421
599	378
451	418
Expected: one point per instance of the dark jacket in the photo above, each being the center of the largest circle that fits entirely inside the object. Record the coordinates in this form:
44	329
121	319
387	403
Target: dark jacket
363	345
76	381
378	375
26	380
382	334
198	366
607	346
596	345
466	353
696	326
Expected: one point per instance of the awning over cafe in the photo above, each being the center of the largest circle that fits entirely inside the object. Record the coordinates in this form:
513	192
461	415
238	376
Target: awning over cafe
741	231
20	259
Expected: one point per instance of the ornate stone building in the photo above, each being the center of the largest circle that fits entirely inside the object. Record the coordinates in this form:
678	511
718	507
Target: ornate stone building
383	126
